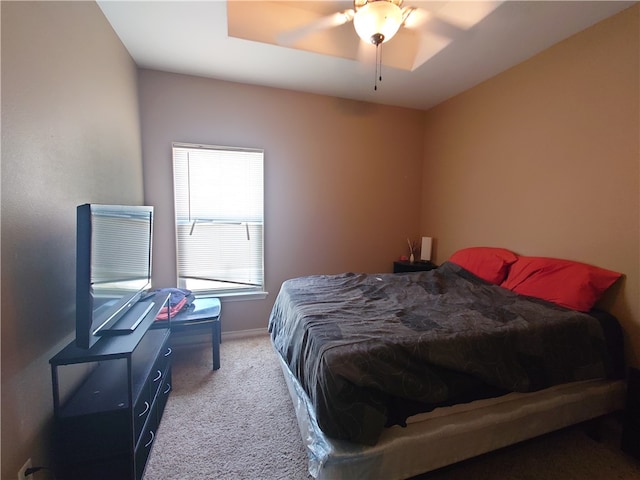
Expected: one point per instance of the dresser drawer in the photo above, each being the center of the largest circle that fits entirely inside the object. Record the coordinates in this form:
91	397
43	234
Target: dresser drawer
163	395
157	376
145	443
141	414
155	380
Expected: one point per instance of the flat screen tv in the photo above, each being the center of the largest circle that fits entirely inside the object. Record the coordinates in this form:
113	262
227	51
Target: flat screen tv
113	269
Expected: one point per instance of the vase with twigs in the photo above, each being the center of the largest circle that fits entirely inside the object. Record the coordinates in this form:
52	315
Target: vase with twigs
413	249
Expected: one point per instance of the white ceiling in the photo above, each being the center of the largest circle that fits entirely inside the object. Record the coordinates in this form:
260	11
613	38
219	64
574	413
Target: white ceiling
444	56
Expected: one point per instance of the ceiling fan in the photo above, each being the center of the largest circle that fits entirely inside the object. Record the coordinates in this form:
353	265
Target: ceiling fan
377	21
419	30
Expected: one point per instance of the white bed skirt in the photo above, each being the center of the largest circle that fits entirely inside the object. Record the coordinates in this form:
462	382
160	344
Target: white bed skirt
451	434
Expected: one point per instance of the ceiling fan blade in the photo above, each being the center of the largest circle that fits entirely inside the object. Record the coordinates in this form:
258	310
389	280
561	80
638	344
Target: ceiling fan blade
290	37
448	19
422	20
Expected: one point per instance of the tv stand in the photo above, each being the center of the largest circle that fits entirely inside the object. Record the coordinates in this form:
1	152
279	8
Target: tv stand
108	400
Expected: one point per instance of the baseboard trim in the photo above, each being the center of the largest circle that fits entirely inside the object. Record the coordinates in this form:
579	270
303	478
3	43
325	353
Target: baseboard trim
254	332
203	337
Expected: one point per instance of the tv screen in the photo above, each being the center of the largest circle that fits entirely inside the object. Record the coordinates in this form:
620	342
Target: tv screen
113	268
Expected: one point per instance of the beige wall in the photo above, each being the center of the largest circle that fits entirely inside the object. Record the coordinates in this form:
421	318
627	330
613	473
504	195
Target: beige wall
70	134
544	159
342	178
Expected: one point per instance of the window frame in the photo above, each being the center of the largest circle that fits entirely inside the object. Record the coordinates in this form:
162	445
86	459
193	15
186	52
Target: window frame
246	221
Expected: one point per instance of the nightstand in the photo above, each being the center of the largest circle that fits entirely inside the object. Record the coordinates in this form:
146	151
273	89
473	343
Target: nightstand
421	266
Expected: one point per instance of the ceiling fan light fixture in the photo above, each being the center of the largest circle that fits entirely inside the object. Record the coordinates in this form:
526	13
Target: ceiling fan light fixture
377	21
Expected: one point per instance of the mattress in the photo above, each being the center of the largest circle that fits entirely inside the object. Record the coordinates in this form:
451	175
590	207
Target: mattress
451	434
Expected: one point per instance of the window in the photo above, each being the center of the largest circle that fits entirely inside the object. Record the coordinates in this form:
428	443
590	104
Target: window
219	219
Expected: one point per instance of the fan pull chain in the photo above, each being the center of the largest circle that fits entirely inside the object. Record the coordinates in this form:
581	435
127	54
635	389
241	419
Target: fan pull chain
378	74
380	64
375	77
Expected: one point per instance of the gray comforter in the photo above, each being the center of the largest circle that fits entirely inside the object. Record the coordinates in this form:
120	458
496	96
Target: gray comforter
360	344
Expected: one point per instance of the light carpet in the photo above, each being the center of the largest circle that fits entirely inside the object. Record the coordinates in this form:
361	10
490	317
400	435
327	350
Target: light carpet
239	423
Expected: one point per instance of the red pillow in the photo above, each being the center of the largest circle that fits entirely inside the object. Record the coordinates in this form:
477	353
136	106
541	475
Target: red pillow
489	263
570	284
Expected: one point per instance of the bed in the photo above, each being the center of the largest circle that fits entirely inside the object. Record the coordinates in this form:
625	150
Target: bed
392	375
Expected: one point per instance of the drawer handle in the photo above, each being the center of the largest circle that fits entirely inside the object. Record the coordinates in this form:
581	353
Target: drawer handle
168	352
168	388
158	377
150	441
146	409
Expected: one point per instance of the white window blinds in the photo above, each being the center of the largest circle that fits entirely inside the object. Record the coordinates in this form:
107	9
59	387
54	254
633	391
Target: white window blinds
219	218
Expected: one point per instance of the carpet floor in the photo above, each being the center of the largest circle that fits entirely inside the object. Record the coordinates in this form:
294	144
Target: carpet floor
238	423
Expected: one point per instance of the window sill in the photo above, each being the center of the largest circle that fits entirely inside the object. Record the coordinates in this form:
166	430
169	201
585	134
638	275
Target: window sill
235	297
